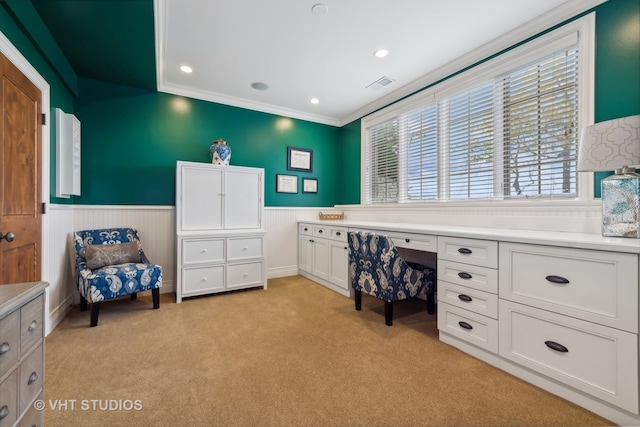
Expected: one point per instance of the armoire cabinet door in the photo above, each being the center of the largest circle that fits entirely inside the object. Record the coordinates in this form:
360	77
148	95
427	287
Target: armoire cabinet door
243	199
201	193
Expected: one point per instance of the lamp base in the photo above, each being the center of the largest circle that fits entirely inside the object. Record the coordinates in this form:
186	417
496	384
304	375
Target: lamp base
621	205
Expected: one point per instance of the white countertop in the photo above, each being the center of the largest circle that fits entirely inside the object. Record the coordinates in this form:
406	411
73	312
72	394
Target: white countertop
550	238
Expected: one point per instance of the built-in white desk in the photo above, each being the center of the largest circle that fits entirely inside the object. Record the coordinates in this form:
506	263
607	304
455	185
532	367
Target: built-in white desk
559	310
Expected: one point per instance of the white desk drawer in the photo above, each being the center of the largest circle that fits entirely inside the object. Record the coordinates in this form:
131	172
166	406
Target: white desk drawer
473	276
202	280
246	247
468	299
321	231
305	229
598	286
469	251
338	233
420	242
199	251
595	359
474	328
242	275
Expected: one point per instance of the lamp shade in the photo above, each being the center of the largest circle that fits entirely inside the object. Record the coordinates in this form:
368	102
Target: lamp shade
610	145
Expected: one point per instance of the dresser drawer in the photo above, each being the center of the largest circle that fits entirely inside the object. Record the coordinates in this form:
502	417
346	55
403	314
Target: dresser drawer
473	276
595	359
598	286
33	416
420	242
9	333
31	324
469	251
243	275
305	229
477	301
199	251
9	400
30	378
203	279
246	247
474	328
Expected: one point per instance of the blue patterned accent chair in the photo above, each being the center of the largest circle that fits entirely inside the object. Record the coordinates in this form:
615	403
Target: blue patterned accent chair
377	268
111	263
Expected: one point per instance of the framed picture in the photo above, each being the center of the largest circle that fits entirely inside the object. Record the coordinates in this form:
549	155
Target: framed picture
309	185
286	183
299	159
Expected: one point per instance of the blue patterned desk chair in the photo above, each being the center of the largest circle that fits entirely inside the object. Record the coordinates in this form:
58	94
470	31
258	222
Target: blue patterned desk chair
377	268
111	263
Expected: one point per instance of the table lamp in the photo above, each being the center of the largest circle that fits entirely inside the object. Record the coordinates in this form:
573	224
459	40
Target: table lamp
615	145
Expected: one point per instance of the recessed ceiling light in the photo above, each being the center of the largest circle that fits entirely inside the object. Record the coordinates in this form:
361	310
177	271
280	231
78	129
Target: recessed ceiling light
259	86
186	69
315	101
380	53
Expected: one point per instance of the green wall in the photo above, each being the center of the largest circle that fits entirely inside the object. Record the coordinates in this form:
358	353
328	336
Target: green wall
132	138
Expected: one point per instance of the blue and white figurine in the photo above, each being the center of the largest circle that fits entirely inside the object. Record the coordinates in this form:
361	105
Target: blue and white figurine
220	152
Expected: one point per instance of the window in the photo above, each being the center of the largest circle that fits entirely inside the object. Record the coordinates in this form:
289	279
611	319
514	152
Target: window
506	129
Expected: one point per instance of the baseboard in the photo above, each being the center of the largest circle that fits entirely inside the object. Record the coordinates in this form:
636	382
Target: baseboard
58	314
286	271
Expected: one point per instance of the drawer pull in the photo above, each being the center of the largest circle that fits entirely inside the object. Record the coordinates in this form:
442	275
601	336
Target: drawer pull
311	240
465	251
464	275
204	251
338	233
320	231
407	240
346	248
557	279
4	412
5	347
557	347
306	229
32	378
33	326
465	325
465	298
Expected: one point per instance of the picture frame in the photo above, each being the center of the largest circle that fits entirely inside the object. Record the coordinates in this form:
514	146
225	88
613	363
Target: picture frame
299	159
286	183
309	185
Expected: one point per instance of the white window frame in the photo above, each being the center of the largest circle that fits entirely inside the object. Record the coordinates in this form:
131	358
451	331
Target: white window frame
584	27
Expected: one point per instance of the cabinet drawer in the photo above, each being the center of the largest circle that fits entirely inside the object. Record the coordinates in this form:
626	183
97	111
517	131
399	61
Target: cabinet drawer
202	280
305	229
474	328
321	231
33	416
31	324
469	251
473	276
420	242
9	400
468	299
9	331
598	286
200	251
243	275
595	359
30	378
247	247
338	233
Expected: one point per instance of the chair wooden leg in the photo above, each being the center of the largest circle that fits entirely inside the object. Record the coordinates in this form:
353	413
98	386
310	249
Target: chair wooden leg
388	313
95	310
134	295
357	295
431	303
156	297
83	303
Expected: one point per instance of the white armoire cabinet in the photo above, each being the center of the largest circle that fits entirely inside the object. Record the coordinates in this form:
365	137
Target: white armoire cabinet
219	228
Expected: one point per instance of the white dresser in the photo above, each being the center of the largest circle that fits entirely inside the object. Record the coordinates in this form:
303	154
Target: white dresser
219	228
21	353
559	310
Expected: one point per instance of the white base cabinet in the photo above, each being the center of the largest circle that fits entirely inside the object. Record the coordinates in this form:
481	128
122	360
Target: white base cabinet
323	256
220	238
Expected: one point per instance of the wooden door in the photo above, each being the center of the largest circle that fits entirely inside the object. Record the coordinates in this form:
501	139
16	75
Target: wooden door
20	163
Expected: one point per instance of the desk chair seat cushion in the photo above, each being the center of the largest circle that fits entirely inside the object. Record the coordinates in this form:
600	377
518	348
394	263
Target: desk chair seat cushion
112	281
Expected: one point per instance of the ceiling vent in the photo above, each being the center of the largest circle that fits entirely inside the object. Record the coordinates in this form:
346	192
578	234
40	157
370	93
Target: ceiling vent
381	82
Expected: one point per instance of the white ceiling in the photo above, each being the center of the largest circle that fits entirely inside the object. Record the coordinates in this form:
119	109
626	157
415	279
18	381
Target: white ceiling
301	55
